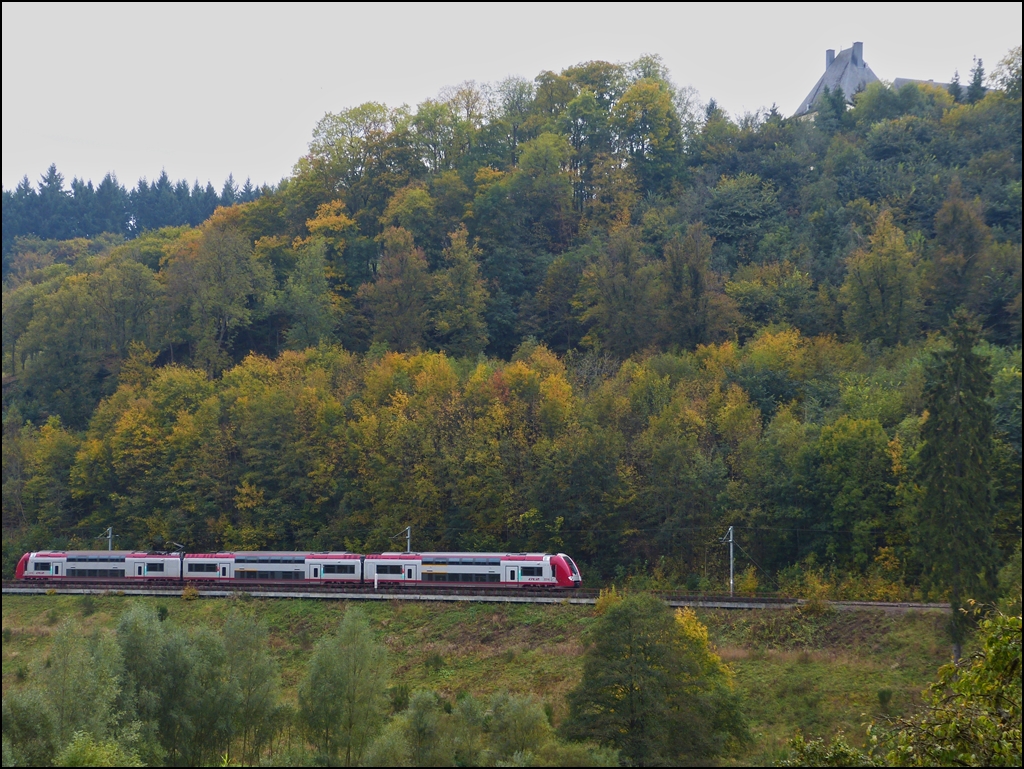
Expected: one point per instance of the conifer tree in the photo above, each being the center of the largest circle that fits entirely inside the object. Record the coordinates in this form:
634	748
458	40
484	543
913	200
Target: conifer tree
955	89
976	88
955	465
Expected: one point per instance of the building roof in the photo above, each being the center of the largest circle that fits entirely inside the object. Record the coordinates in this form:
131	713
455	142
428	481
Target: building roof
848	71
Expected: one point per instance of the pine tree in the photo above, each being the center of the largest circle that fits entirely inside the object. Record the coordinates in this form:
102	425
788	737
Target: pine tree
955	89
955	466
976	88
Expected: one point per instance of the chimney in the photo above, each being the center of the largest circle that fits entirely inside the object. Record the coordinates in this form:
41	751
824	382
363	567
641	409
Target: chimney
830	56
858	54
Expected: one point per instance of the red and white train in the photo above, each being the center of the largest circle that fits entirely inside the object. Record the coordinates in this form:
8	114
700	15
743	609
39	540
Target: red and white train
510	570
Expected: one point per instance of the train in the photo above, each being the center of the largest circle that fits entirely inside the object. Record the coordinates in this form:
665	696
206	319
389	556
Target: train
433	569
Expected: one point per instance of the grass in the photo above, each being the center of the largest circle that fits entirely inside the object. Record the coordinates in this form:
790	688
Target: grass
819	674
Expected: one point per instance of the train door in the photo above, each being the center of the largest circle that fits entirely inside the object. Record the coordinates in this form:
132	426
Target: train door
512	574
138	569
410	572
56	570
316	572
223	569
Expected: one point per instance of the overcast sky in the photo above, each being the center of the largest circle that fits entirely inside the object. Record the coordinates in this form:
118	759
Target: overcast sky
204	90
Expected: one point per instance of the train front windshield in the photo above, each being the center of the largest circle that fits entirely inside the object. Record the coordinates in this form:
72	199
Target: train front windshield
573	571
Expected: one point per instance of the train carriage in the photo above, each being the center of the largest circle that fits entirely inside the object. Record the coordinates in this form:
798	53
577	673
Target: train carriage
98	564
495	569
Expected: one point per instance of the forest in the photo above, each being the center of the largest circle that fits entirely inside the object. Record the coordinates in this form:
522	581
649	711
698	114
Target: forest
582	313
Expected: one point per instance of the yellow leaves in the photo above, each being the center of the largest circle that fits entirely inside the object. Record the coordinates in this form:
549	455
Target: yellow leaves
690	627
436	378
748	583
694	634
248	497
606	598
330	221
556	401
522	381
899	465
486	177
782	350
717	359
887	560
738	421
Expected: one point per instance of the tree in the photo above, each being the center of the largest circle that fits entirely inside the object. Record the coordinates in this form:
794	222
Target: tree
397	301
692	311
955	89
973	712
615	295
648	133
29	728
460	298
955	464
342	697
881	290
517	725
1007	75
976	88
961	243
652	687
257	677
314	308
81	685
217	284
86	750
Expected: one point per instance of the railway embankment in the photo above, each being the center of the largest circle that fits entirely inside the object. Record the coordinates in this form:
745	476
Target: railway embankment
816	669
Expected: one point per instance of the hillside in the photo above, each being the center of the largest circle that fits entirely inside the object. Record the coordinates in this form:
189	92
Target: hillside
820	674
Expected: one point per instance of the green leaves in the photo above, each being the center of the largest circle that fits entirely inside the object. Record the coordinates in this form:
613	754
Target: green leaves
652	687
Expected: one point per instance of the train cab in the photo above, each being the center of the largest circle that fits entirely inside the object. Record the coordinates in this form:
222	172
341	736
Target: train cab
45	564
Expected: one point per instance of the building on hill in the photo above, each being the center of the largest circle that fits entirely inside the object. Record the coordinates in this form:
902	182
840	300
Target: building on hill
848	71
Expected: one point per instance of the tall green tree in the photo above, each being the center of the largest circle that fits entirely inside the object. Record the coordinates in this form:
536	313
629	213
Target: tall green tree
652	687
460	298
881	291
257	677
976	88
342	697
397	300
955	465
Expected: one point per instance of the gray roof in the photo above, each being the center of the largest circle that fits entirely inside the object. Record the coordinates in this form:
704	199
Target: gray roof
846	70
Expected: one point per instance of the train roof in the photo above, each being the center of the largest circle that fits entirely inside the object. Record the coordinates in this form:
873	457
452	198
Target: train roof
274	554
448	554
96	553
105	553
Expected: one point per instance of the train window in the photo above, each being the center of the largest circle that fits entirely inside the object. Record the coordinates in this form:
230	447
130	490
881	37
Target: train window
385	568
340	568
532	571
115	573
41	566
152	568
462	577
254	574
202	567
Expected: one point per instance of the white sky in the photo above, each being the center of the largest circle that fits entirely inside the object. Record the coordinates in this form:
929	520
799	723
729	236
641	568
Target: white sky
203	90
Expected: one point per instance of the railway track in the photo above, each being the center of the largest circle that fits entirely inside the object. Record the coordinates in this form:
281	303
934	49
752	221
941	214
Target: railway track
173	589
